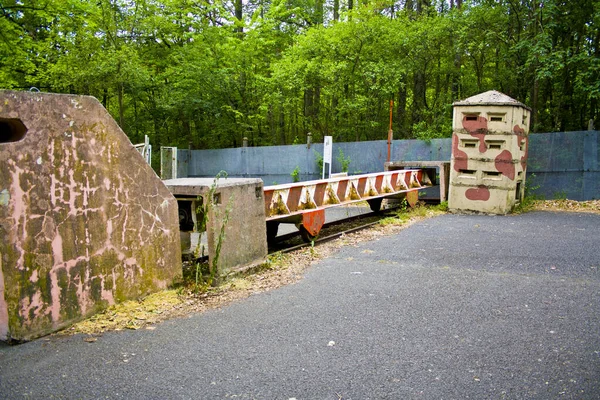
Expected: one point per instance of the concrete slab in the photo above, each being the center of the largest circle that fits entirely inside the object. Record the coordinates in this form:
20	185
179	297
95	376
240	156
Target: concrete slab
196	186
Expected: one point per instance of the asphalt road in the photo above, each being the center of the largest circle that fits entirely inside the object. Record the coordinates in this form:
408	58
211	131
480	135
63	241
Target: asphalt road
456	307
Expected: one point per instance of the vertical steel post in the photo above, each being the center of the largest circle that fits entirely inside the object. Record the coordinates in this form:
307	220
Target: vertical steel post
390	133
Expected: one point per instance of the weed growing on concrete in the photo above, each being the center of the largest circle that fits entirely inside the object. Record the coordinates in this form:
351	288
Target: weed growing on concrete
443	206
419	211
312	248
206	207
404	205
214	270
527	203
319	160
296	174
560	195
276	260
344	161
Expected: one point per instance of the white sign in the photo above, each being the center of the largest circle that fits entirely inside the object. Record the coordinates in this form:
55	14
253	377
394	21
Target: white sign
327	151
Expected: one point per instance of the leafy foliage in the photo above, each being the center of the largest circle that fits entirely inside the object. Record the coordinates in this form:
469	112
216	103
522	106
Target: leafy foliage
207	74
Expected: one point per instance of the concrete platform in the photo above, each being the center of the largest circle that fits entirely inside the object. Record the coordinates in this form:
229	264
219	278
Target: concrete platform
439	174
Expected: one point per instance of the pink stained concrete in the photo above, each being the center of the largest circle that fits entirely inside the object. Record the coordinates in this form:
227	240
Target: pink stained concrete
461	160
480	193
504	165
87	224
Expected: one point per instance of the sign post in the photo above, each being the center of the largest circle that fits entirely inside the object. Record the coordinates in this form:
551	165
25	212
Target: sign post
327	151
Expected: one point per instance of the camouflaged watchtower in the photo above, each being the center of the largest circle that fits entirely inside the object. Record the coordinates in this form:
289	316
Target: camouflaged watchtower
489	153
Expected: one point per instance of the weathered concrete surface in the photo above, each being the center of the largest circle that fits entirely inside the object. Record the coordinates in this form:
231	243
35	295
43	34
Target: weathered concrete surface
489	153
237	207
84	221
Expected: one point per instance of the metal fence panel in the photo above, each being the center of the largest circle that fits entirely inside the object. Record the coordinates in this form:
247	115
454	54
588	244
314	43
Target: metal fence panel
561	164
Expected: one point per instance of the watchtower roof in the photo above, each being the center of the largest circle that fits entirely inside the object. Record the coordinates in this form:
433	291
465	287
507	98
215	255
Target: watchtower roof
490	98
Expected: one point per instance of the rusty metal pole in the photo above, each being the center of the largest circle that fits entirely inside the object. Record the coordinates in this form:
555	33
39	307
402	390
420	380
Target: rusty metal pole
390	133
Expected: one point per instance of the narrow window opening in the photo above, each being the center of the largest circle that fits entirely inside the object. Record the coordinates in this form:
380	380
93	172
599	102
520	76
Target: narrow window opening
469	143
471	117
11	130
467	171
518	193
495	144
258	191
492	174
217	198
186	220
496	117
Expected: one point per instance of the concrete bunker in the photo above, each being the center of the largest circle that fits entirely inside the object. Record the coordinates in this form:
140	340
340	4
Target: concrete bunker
84	221
233	232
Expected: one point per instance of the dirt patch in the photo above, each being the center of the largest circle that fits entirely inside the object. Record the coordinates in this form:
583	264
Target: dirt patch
591	206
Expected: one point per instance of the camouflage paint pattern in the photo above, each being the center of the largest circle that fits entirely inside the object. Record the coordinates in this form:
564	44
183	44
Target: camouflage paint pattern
489	153
481	192
86	222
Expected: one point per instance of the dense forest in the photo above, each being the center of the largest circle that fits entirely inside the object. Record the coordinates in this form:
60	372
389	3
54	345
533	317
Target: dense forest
206	73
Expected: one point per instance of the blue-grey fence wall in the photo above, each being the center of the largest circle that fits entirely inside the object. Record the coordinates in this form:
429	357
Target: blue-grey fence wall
565	164
561	164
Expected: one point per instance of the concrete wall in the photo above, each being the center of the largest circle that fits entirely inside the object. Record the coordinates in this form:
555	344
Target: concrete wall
560	163
245	240
84	221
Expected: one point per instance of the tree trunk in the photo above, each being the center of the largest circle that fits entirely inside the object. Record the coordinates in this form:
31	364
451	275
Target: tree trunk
239	15
317	108
350	7
336	10
105	98
457	63
281	125
272	127
419	100
401	112
121	111
136	119
319	12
